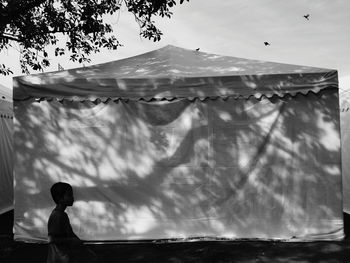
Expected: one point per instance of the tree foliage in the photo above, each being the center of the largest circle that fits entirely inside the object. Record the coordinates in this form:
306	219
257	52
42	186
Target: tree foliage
36	24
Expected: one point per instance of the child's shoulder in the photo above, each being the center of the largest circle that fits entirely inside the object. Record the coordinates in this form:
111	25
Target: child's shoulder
57	214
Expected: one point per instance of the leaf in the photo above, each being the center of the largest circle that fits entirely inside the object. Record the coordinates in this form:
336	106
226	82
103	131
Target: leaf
46	63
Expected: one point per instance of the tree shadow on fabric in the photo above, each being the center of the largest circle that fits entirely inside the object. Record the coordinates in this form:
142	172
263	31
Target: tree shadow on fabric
236	168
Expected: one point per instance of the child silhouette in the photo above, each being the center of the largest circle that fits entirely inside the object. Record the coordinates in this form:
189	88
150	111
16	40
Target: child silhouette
64	245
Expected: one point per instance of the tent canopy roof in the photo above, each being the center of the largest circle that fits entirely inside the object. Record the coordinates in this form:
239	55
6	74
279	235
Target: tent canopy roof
173	72
5	93
5	102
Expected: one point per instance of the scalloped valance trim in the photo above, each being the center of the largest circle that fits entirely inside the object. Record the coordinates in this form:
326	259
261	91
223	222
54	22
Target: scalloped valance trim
256	96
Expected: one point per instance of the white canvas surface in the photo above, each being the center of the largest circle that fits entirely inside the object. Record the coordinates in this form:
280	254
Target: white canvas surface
232	168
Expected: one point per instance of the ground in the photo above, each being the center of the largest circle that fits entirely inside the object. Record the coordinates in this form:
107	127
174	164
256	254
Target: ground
234	251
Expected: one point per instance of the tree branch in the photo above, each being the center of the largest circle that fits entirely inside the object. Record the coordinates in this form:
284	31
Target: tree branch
13	38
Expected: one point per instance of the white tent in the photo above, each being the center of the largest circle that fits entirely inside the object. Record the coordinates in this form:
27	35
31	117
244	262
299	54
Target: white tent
178	143
345	140
6	125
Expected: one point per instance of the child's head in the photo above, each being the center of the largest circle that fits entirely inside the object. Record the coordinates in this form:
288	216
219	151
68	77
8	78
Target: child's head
62	193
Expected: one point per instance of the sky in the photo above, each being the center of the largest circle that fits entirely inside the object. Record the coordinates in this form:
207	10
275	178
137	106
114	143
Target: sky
236	28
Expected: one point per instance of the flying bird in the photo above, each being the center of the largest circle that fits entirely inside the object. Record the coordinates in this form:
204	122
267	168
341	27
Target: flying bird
197	49
267	43
307	16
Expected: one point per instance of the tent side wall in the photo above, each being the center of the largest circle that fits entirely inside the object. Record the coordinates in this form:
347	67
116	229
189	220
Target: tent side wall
345	138
6	174
218	168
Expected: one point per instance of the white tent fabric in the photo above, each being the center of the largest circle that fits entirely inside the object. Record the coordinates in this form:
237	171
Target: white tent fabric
5	93
177	143
6	177
345	140
172	72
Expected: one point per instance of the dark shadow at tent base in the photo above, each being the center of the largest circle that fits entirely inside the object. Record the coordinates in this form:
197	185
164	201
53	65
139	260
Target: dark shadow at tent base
347	225
6	223
245	251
